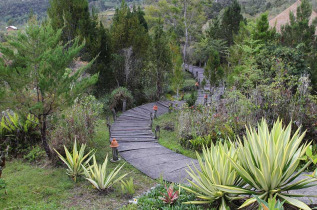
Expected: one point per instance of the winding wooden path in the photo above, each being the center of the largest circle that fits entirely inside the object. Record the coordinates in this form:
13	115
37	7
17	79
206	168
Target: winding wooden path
138	146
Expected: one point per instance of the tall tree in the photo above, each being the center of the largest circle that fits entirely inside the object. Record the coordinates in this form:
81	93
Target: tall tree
162	58
213	71
37	78
300	34
130	41
71	15
262	29
299	30
185	17
231	21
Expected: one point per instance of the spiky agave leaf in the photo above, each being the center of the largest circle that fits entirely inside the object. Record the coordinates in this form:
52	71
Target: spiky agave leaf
215	169
268	160
75	161
98	176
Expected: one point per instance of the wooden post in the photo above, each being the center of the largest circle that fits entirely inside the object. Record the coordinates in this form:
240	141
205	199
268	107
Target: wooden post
124	105
109	128
151	118
170	107
157	132
114	114
2	161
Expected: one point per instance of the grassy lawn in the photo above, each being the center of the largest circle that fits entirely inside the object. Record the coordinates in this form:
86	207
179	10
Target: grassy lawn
169	138
43	186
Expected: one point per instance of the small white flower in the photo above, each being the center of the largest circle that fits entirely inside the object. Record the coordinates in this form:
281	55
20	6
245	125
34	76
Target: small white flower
134	201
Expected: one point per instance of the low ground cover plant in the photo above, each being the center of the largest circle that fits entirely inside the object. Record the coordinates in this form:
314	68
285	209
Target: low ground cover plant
151	200
170	196
127	187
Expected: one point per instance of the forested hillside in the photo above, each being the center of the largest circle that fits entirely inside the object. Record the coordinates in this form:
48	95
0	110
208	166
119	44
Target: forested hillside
15	12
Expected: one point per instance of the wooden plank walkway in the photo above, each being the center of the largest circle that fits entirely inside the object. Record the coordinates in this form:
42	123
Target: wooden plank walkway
138	146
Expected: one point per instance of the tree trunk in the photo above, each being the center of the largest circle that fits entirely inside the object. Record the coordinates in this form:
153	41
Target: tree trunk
158	84
186	32
44	139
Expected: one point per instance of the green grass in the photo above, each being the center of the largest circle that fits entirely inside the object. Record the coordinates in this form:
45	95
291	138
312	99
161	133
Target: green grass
169	139
46	187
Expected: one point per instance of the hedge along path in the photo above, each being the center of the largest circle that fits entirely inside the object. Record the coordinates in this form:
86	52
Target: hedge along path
138	146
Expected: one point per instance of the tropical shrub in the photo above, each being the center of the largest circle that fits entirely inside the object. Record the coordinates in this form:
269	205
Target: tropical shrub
170	196
100	176
267	161
76	161
191	98
215	168
127	187
202	125
77	122
120	94
18	133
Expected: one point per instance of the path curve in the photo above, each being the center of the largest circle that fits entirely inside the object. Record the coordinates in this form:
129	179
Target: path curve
138	146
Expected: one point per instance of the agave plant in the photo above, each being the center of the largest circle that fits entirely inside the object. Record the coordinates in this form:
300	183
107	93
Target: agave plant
76	161
215	169
268	161
170	196
99	177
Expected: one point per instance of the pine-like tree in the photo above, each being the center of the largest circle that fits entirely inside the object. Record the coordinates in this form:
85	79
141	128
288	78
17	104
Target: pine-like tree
213	71
161	58
230	23
36	76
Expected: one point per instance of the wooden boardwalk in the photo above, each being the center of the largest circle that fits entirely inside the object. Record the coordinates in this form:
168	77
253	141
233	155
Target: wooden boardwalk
138	146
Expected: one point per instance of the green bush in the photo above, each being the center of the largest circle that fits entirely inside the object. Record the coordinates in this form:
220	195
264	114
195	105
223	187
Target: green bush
191	98
77	122
35	154
118	95
18	133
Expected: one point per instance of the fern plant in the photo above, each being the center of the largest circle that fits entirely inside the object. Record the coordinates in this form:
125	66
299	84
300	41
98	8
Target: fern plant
76	161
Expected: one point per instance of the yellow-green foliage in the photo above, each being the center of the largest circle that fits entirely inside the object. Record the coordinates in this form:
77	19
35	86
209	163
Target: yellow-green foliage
77	161
215	169
267	161
99	177
128	186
